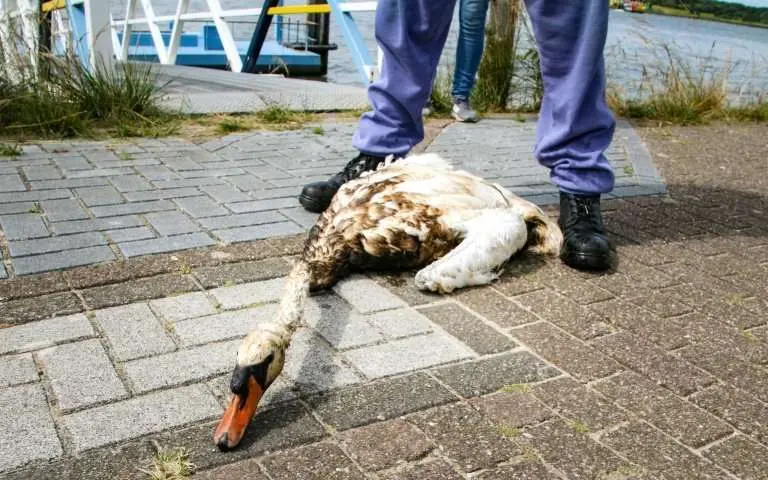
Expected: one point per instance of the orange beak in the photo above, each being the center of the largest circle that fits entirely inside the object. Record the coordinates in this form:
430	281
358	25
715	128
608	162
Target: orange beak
237	416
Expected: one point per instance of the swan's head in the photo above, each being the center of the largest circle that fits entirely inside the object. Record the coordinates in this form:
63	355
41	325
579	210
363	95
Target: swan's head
260	360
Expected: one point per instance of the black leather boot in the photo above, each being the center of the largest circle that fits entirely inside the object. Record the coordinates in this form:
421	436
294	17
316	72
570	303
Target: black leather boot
315	197
586	247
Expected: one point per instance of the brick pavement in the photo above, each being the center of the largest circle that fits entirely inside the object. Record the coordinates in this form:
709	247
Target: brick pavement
79	203
656	370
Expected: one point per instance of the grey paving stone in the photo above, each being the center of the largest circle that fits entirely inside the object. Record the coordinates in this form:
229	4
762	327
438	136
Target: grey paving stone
488	374
258	232
11	183
34	195
225	193
72	163
156	172
44	333
247	183
19	248
129	208
219	172
25	225
182	307
241	220
271	193
261	205
171	223
182	163
182	366
399	323
201	207
239	296
95	196
297	182
67	183
335	320
27	435
165	244
81	374
163	194
42	172
223	326
101	172
17	207
62	210
130	234
408	354
64	259
380	400
133	331
187	182
130	183
475	333
366	296
302	217
100	155
17	369
312	366
140	416
97	224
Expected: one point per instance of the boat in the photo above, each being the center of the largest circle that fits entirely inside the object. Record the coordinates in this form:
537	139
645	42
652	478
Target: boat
634	6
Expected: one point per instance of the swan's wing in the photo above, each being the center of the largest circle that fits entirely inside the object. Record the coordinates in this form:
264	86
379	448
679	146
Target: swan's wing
490	239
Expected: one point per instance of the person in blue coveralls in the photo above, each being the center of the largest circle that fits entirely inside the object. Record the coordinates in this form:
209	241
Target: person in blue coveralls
575	125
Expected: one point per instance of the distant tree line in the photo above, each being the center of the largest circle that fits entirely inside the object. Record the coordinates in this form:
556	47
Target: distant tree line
730	11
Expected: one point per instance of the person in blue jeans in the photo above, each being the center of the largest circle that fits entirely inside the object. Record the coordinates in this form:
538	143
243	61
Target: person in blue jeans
575	125
469	52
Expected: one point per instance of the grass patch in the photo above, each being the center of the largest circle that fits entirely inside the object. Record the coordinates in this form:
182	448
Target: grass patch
170	465
61	98
675	91
507	431
578	426
629	170
318	131
230	125
279	115
12	151
35	209
516	387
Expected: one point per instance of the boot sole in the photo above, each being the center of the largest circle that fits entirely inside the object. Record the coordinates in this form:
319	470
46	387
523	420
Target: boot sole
311	204
584	261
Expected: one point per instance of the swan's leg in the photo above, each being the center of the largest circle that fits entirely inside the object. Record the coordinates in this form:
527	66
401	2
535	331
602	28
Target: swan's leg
490	239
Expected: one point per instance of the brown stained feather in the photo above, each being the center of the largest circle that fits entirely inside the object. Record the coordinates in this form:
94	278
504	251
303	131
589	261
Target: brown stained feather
349	235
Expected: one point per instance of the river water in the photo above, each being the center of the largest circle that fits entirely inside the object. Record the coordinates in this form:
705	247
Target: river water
635	42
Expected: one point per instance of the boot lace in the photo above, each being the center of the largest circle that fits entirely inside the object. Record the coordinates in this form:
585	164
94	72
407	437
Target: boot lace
583	214
358	165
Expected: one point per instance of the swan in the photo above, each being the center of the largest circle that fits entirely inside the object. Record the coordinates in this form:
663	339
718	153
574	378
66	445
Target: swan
416	212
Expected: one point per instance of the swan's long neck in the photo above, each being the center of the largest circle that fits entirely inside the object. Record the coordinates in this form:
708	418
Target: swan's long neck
294	297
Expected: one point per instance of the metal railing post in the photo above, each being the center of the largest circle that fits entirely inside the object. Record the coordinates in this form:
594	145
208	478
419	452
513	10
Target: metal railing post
99	30
178	28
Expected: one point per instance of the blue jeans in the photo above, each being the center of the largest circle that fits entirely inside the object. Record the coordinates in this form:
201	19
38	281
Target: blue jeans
575	124
469	49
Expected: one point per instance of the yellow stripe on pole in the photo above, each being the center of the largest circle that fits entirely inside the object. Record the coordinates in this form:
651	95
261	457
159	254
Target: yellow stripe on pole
285	10
299	9
53	5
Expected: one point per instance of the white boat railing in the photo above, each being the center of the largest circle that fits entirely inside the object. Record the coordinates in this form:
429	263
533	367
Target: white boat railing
91	19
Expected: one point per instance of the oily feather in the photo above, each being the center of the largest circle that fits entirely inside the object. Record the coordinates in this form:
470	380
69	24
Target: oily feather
415	211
